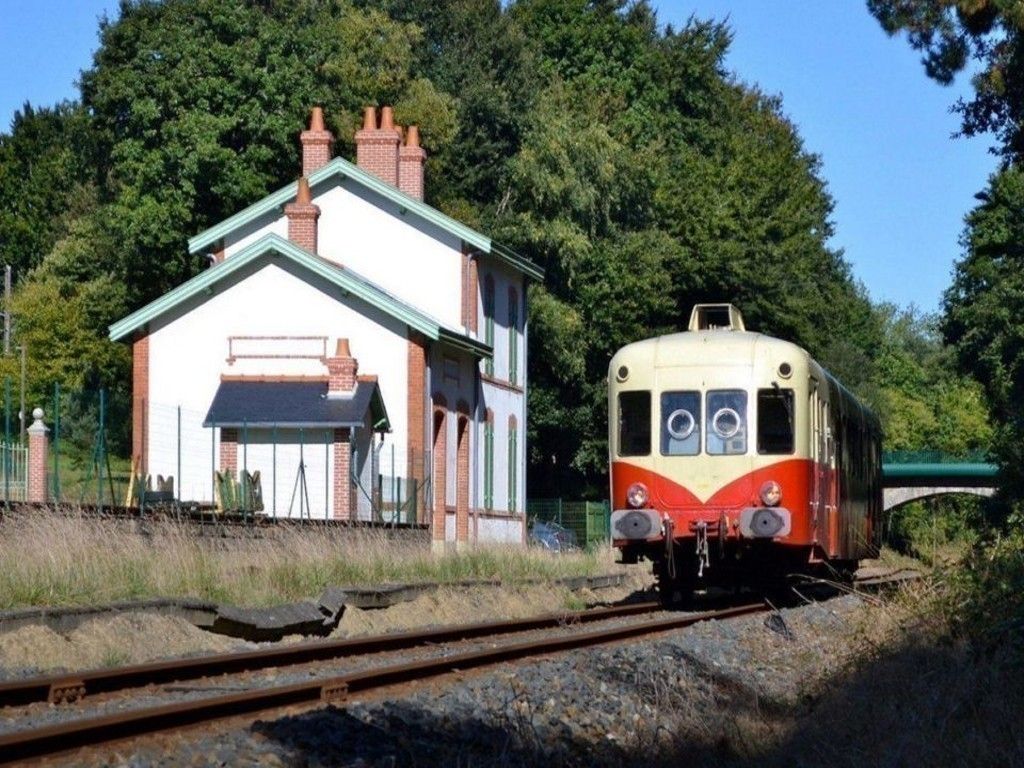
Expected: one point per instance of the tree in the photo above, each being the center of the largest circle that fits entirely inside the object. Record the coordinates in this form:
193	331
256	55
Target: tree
477	53
951	33
46	174
984	307
920	395
196	107
647	180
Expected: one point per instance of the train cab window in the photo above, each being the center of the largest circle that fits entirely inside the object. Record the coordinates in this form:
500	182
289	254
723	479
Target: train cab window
634	423
775	421
680	423
726	424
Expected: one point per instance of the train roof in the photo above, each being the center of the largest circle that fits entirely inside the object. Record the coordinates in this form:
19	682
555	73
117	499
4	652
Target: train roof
724	340
721	324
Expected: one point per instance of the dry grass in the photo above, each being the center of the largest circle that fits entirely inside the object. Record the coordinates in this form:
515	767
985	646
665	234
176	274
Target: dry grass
910	689
920	691
108	641
56	560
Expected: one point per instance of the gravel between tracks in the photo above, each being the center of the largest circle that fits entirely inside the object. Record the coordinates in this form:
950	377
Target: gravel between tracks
702	692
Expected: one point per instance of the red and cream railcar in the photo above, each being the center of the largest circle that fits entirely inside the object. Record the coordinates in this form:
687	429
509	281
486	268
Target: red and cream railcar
735	456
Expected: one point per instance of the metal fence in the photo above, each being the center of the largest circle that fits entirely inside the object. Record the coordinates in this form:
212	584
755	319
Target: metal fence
13	471
277	472
589	521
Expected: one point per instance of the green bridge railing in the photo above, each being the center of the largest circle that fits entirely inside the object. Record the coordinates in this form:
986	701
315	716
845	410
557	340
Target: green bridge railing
934	457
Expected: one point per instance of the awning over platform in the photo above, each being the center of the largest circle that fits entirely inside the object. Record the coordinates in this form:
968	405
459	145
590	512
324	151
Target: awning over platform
295	404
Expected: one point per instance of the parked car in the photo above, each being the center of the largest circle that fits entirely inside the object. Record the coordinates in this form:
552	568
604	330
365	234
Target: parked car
552	536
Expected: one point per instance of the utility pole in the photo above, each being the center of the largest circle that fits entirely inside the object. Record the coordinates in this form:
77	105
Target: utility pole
7	310
21	414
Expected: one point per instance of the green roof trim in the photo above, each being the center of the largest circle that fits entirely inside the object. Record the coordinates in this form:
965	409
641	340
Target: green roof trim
518	261
333	273
341	169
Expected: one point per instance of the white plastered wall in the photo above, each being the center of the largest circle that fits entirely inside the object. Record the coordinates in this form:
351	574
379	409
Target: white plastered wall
410	258
496	530
187	355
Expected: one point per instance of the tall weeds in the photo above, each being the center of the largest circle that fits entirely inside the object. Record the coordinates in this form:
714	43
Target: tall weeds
58	560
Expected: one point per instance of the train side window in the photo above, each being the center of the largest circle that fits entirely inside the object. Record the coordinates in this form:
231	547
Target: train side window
775	431
726	424
634	423
680	423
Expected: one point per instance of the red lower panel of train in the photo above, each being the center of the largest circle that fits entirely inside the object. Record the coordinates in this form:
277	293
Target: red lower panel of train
794	476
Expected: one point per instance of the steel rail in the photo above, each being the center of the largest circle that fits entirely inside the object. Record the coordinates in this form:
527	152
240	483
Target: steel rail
68	687
64	737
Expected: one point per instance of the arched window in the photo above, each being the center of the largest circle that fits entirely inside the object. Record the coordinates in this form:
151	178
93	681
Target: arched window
489	461
513	462
489	321
513	336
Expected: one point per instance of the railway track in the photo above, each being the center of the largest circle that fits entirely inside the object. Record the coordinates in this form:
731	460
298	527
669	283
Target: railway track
70	688
87	731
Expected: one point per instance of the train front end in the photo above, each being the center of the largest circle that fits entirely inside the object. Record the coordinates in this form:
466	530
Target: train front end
710	473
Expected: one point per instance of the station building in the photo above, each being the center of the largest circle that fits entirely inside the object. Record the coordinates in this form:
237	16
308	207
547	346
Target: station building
361	350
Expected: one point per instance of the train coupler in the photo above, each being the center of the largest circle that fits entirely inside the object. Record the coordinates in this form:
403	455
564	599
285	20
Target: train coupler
703	561
667	529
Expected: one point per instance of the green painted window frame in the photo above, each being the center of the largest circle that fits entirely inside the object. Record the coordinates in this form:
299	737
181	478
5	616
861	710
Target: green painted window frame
513	336
489	465
513	464
489	322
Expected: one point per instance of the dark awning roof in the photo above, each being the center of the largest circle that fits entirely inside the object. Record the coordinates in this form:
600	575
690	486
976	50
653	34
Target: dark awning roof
294	404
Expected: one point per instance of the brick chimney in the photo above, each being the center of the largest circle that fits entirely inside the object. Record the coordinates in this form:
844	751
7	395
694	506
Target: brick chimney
341	371
377	147
316	143
410	164
302	218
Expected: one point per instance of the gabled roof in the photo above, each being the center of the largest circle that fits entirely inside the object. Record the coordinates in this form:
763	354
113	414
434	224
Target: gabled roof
294	404
334	273
341	169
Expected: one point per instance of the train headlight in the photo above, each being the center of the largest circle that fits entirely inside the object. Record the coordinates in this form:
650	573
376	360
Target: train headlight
636	495
771	494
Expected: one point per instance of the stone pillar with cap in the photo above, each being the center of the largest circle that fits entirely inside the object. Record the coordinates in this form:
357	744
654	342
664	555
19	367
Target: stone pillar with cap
38	448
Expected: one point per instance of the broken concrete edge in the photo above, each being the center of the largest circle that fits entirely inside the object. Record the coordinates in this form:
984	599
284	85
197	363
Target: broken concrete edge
266	624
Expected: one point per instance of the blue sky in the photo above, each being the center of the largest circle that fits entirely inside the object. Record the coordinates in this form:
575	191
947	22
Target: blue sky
859	98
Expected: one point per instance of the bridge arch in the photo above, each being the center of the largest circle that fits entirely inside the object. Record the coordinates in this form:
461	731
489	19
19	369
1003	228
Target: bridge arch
912	476
894	498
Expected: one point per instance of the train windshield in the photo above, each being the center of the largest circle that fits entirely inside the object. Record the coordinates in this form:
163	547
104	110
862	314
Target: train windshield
680	423
634	423
775	421
726	422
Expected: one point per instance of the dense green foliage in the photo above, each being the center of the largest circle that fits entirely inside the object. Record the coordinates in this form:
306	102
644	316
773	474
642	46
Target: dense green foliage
984	310
618	154
983	306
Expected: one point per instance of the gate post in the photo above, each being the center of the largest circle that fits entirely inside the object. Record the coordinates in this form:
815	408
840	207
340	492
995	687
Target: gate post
38	444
